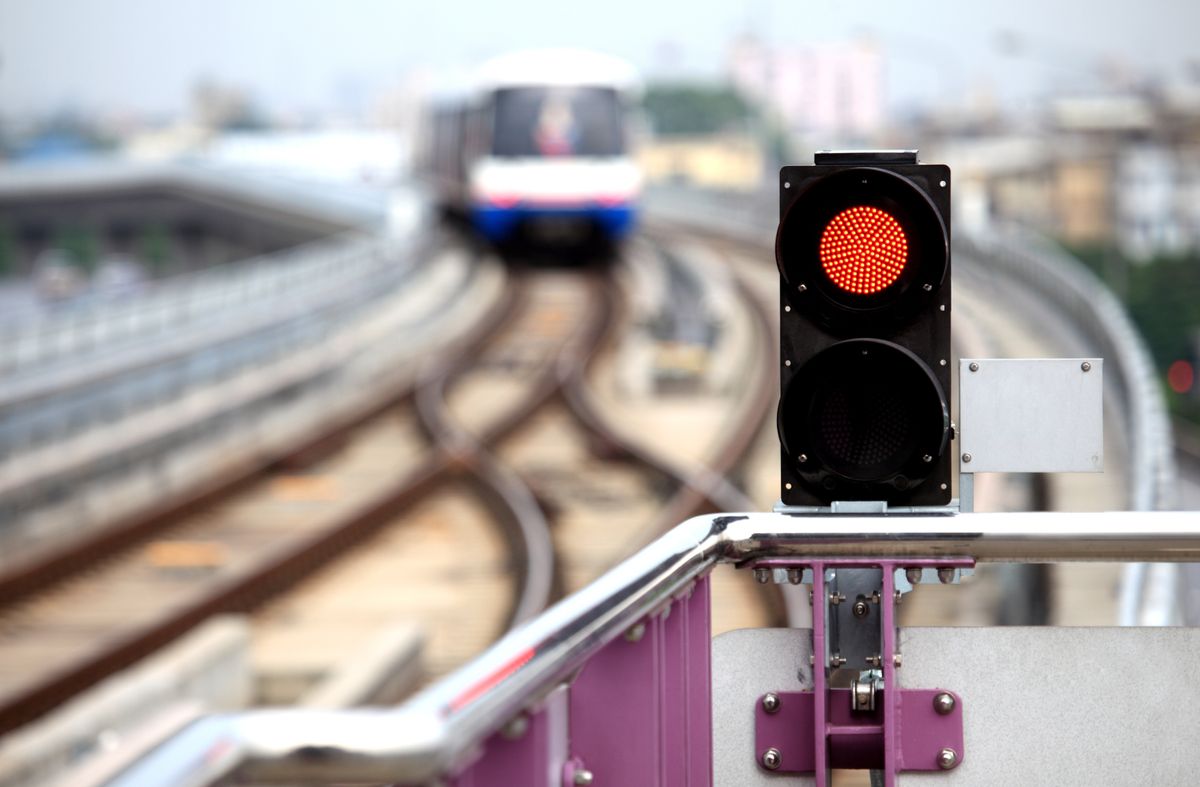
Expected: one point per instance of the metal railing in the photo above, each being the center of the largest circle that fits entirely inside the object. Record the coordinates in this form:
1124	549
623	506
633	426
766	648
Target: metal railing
189	333
442	728
173	306
317	352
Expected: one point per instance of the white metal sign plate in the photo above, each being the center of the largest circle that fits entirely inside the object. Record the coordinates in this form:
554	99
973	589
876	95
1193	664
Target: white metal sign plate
1063	706
1031	415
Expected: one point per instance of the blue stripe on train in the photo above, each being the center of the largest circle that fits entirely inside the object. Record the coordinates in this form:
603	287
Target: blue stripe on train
497	224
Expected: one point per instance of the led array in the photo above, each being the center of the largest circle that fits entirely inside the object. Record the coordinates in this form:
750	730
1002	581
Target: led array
863	249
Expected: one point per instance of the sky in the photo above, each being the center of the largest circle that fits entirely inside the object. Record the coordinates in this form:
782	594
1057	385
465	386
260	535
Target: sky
143	56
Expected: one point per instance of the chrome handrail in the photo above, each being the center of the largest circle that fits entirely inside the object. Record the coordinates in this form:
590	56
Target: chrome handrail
442	725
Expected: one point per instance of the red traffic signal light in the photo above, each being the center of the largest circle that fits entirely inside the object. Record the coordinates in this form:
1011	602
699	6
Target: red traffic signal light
863	249
864	256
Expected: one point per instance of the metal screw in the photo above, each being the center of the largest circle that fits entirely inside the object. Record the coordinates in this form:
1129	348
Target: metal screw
787	184
945	575
787	485
787	363
794	576
761	575
913	575
947	758
927	458
1086	366
770	703
943	703
944	487
942	362
515	727
787	308
802	458
836	660
836	598
873	661
636	632
860	609
771	759
583	776
811	659
801	288
897	660
966	459
897	596
974	366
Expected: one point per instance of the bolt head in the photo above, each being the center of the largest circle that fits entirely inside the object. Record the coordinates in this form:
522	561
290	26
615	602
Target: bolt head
966	458
945	575
974	367
762	575
943	703
772	759
583	777
515	728
861	610
770	702
1086	366
802	458
947	758
913	575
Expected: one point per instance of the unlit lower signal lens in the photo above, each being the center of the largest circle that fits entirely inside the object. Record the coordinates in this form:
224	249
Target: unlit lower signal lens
863	250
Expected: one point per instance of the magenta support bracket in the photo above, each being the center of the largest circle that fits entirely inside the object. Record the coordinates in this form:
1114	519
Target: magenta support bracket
907	730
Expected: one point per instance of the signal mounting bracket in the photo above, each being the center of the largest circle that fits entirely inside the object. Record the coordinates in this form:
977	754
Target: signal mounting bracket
867	157
860	507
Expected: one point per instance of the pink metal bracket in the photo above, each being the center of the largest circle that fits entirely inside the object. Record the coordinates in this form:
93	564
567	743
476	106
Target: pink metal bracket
909	730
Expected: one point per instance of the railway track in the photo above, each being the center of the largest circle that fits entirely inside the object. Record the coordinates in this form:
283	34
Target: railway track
555	496
102	603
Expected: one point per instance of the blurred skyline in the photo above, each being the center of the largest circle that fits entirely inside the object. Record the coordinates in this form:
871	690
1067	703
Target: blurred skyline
145	58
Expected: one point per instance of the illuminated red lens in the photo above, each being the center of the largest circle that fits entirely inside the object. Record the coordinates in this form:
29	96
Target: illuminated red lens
863	250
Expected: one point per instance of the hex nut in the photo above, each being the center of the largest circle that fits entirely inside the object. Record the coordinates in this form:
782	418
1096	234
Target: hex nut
943	703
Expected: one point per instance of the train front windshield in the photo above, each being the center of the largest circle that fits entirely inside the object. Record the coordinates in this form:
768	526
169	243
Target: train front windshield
548	122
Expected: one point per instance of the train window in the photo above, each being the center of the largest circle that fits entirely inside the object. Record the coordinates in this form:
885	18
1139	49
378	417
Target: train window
538	122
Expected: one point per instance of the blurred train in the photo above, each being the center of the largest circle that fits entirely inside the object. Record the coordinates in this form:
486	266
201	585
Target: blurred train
538	143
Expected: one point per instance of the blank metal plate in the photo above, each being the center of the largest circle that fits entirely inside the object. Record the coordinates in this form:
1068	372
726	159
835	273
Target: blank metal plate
1061	706
1031	415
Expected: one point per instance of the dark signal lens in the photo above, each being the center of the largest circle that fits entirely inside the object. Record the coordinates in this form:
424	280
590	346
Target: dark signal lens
863	250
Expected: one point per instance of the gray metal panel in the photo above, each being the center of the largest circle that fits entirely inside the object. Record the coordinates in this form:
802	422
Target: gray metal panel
1063	706
748	663
1031	415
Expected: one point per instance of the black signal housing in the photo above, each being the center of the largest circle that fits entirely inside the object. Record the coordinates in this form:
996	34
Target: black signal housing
864	412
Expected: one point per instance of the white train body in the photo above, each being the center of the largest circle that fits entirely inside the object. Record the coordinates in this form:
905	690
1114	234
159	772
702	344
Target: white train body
540	137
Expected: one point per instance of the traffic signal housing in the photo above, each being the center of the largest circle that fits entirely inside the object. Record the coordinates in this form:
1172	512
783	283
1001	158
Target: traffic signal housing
863	250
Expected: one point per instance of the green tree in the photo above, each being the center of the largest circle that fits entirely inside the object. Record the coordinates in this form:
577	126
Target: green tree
156	247
675	109
80	245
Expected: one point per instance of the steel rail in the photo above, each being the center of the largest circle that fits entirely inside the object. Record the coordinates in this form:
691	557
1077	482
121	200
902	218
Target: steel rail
237	592
56	563
440	727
